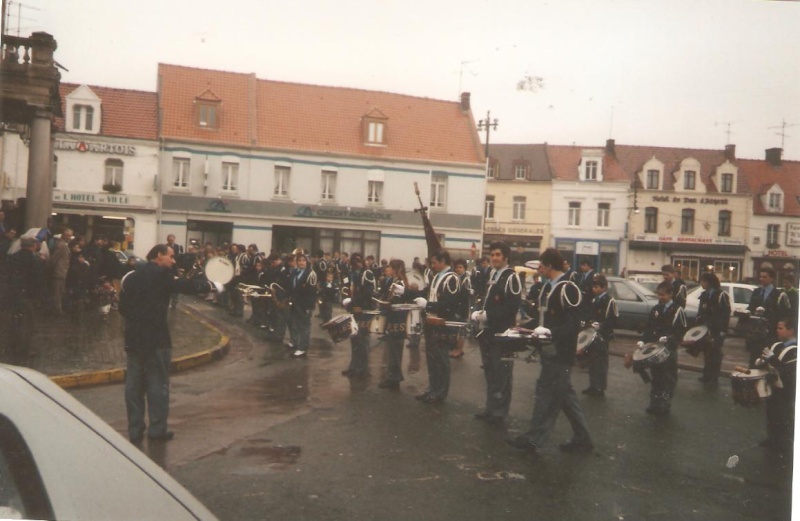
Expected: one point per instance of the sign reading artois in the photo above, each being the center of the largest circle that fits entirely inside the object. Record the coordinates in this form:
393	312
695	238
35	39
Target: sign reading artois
97	148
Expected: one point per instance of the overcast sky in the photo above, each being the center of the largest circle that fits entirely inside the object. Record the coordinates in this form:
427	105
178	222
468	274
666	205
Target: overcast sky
643	72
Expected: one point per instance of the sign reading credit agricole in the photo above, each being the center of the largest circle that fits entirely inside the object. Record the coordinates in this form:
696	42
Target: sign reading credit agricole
97	148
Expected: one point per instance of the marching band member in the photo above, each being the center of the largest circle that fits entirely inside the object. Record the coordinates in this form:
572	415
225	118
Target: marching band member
714	312
603	317
460	268
363	288
328	292
395	290
585	280
670	274
559	308
303	295
414	337
781	357
666	324
773	303
499	313
442	305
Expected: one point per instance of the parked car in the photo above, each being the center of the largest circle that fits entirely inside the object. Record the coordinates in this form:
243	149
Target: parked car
60	461
738	292
123	256
634	302
650	282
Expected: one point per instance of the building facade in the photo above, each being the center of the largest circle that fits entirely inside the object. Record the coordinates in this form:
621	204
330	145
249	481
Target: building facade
774	229
518	196
285	165
590	207
105	165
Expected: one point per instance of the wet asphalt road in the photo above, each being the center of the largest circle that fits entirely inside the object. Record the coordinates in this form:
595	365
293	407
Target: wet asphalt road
262	436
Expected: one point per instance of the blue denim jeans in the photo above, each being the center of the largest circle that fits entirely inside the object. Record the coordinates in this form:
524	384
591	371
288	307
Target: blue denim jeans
147	377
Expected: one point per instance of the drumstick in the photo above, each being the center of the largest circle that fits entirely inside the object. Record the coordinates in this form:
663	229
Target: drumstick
742	369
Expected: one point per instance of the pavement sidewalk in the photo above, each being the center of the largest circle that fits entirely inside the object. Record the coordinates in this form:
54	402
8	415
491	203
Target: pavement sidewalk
85	349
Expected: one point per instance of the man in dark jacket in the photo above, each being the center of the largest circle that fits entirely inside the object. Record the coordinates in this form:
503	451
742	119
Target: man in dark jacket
144	301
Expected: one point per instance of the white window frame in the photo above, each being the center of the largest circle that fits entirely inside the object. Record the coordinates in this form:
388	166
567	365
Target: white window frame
181	173
689	174
773	234
494	170
374	192
603	215
230	177
723	178
648	185
775	201
375	132
519	203
438	191
207	116
592	168
83	117
328	185
574	213
114	170
520	171
488	209
283	175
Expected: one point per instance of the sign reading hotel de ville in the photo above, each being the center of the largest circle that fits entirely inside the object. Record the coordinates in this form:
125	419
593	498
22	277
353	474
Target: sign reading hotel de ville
105	199
97	148
680	239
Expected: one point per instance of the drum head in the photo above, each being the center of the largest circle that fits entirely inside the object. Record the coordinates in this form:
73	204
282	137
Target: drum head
586	337
647	351
219	270
695	334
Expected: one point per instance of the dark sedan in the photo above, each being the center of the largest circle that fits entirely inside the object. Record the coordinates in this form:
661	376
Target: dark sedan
634	302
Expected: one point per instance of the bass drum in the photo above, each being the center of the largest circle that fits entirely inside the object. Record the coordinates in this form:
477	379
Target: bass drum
219	270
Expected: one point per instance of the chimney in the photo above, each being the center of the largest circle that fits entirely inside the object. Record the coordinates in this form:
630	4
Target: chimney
774	156
610	147
730	152
465	102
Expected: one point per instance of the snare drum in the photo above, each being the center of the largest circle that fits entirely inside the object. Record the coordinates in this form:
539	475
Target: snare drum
513	341
649	355
341	327
586	338
449	332
413	326
695	340
751	388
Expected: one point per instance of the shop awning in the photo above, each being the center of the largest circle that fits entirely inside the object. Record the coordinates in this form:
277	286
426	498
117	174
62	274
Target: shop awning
674	248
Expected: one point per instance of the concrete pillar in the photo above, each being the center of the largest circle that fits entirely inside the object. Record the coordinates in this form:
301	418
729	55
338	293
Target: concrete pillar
39	194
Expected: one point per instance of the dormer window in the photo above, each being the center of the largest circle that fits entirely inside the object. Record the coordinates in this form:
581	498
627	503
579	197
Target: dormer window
521	171
773	199
83	111
726	185
652	180
591	165
689	180
374	129
207	109
82	117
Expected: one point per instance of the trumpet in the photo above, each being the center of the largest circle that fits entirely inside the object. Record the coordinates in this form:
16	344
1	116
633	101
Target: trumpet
248	290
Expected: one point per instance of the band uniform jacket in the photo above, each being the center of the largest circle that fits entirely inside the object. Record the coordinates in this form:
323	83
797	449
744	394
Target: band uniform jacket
144	298
714	311
784	362
605	312
775	305
396	320
304	290
666	321
502	300
445	296
560	304
679	292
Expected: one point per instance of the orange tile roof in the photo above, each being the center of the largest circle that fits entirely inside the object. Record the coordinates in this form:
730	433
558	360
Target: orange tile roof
313	118
627	160
761	175
125	113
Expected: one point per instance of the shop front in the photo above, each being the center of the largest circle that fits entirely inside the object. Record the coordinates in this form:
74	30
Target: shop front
695	255
781	261
602	255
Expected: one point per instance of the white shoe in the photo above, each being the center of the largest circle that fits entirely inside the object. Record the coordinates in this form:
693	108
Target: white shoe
298	354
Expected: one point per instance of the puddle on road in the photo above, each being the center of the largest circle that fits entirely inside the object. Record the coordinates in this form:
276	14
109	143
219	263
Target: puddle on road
275	454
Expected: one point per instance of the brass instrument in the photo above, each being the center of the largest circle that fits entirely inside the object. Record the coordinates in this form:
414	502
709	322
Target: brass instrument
249	291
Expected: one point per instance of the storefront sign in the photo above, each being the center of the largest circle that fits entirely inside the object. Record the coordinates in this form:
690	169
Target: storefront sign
514	230
587	248
793	234
687	240
324	212
777	253
692	200
100	198
97	148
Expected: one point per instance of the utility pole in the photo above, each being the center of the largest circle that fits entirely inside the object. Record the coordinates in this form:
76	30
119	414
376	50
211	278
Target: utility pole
487	125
